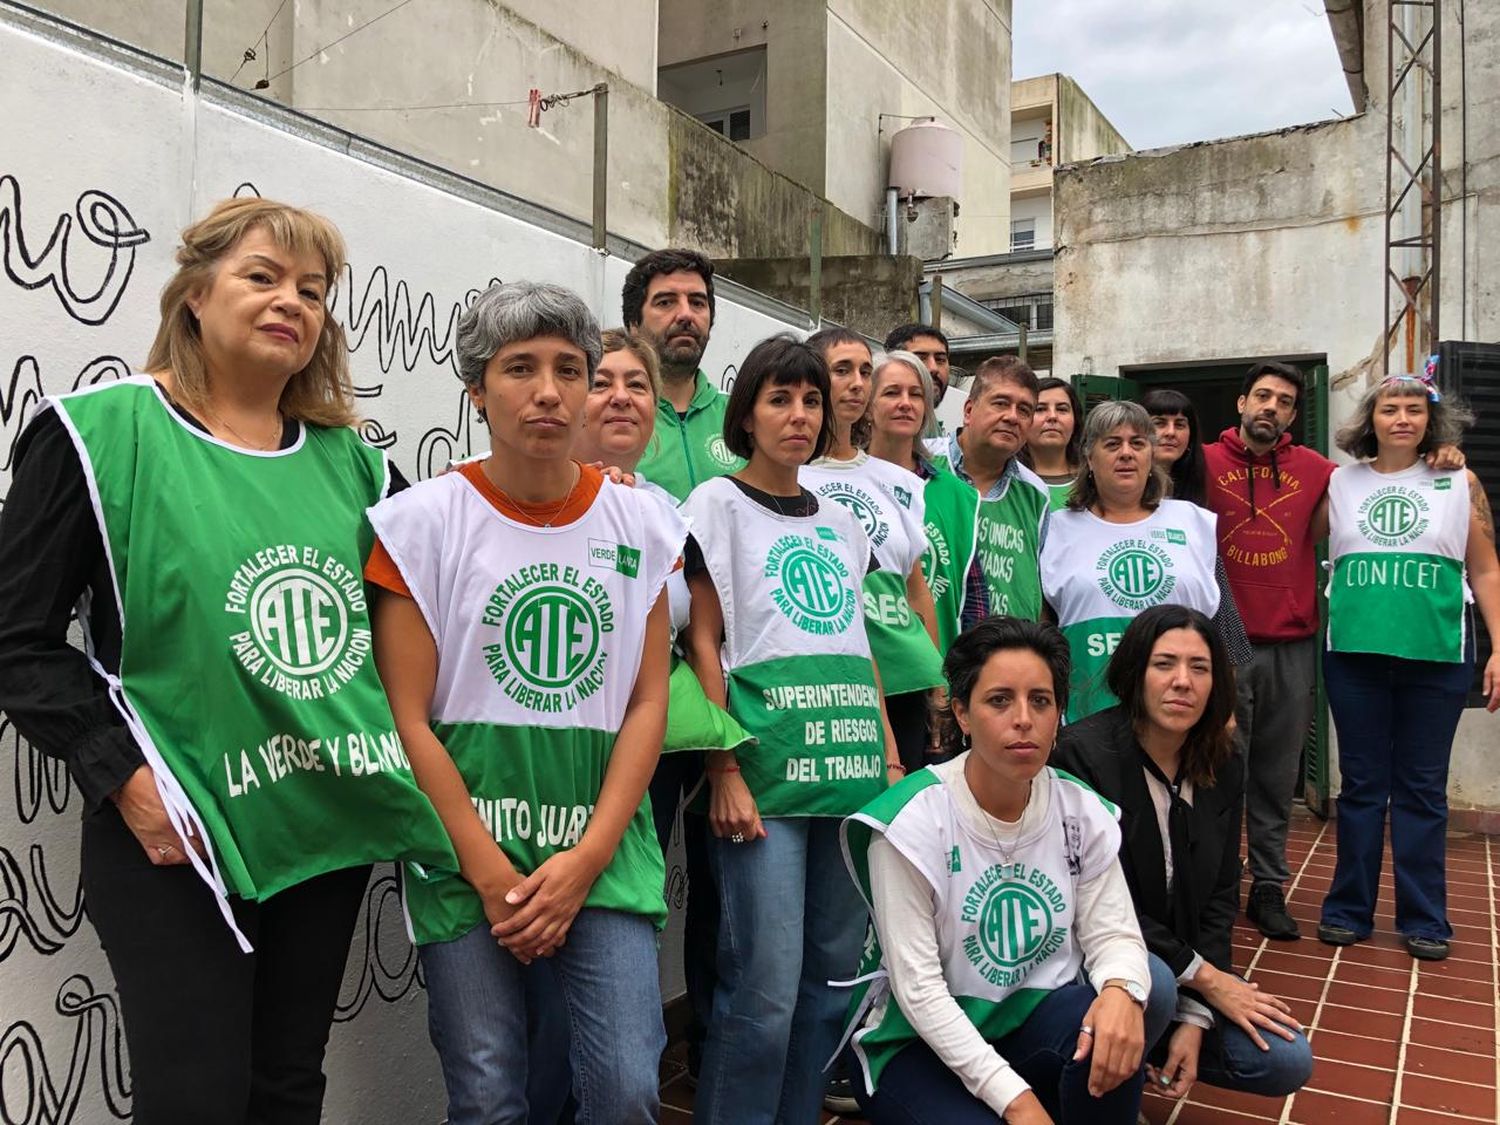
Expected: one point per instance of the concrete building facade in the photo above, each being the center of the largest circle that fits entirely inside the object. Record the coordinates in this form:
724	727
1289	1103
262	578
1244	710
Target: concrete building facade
821	87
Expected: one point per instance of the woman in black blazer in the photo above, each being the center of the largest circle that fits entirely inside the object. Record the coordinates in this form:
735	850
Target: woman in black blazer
1165	757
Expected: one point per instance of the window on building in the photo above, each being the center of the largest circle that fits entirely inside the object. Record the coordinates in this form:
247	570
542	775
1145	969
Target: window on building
731	123
725	92
1022	234
1023	150
1034	310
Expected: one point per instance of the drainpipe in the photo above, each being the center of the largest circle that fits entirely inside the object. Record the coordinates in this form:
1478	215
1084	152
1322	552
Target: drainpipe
892	227
1346	22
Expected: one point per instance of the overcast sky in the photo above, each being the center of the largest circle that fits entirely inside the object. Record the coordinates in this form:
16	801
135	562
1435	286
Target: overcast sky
1169	71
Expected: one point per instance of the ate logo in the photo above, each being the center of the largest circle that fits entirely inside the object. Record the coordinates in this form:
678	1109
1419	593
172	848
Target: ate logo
863	506
552	635
1393	516
1135	574
551	621
1015	911
936	559
299	624
813	587
720	453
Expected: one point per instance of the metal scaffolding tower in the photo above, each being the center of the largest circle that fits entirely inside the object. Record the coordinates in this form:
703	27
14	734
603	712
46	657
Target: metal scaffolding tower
1413	176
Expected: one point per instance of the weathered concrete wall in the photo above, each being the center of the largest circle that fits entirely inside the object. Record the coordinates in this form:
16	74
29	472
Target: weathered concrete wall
731	206
1261	245
1080	131
491	52
870	294
949	60
999	278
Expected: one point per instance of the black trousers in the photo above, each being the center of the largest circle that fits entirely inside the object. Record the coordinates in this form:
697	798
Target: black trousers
216	1036
909	714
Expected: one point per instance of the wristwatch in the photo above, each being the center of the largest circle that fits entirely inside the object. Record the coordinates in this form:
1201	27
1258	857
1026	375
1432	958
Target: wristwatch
1129	987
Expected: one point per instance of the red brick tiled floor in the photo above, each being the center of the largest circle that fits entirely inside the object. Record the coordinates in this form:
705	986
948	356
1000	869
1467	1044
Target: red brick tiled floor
1397	1042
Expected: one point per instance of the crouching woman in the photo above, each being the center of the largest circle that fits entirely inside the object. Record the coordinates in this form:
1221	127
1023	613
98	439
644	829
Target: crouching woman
1009	978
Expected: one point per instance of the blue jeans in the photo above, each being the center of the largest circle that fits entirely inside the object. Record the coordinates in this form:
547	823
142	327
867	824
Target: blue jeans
1228	1059
916	1088
1395	720
477	1017
791	920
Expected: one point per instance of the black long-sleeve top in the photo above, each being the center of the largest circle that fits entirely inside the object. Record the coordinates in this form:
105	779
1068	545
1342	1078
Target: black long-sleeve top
1102	750
52	561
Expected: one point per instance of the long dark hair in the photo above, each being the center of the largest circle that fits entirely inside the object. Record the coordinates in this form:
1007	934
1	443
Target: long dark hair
1208	744
825	340
1189	473
973	647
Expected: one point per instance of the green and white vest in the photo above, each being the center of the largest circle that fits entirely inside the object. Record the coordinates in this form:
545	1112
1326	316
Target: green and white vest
1004	930
246	674
795	654
951	524
1008	539
1396	544
694	722
1098	575
539	633
888	502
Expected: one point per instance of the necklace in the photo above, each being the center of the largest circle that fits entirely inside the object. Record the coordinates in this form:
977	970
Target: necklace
1008	859
275	441
557	511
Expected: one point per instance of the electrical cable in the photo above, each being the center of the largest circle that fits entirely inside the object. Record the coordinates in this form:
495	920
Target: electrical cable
340	39
249	55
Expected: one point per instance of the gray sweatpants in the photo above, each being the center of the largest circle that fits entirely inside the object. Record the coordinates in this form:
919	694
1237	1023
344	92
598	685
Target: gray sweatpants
1277	692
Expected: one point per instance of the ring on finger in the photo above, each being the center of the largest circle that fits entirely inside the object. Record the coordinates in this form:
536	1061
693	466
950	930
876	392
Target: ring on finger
163	849
737	838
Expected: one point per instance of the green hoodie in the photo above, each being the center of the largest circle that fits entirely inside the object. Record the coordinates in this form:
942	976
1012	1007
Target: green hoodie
687	451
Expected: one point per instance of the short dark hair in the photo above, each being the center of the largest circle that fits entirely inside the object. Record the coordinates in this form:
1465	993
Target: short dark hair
1004	368
1073	452
1285	371
1209	743
974	646
654	264
904	334
1189	475
784	361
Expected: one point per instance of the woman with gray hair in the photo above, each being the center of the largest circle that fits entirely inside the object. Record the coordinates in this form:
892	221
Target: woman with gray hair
1121	546
902	416
523	641
1411	548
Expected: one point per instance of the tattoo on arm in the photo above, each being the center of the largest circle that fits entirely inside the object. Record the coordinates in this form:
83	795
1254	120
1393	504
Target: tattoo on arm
1480	504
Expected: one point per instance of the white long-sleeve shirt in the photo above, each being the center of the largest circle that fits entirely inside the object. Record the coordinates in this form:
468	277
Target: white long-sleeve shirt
1105	926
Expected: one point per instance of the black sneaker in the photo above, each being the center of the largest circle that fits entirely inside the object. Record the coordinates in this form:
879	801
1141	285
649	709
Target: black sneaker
1330	934
1427	949
1267	909
839	1096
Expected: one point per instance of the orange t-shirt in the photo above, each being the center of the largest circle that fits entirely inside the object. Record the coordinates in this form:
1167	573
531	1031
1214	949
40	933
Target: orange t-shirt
381	569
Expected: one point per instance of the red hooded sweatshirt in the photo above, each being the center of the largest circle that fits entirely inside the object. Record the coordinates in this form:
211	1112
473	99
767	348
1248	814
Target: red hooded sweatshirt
1265	504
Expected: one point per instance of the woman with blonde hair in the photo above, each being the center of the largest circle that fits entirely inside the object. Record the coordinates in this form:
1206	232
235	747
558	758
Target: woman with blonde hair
208	518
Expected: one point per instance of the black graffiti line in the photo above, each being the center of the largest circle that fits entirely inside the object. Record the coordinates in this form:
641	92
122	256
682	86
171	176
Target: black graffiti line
37	776
17	403
40	1099
442	444
104	221
413	335
376	975
46	929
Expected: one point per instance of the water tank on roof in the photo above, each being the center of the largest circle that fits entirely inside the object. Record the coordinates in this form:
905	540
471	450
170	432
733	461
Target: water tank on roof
926	160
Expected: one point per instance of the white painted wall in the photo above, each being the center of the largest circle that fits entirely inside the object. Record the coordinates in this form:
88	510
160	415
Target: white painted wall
1039	208
117	164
